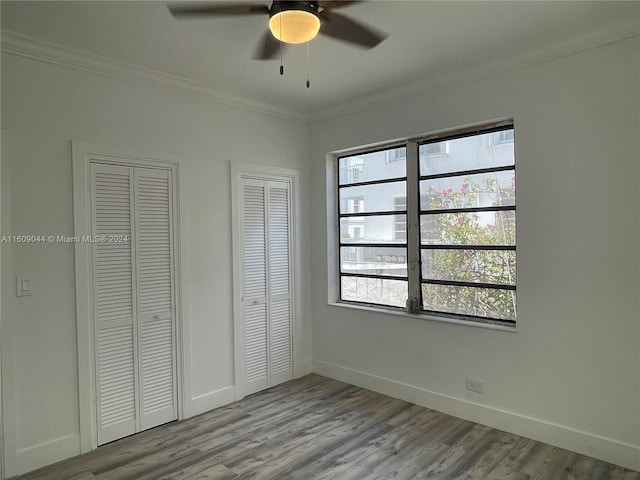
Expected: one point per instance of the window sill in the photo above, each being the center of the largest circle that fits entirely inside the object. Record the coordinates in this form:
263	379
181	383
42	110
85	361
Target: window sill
424	316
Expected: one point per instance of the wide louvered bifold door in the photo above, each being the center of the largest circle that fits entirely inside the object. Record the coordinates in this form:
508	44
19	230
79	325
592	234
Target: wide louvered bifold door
153	234
254	255
266	282
113	305
279	280
133	306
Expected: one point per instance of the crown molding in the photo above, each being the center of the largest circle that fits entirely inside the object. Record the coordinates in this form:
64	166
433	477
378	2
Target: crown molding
429	84
29	47
35	49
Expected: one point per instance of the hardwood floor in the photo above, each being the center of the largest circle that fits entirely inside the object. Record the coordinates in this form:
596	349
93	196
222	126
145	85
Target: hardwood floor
322	429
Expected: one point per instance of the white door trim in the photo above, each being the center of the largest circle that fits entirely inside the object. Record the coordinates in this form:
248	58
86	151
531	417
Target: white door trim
82	154
267	173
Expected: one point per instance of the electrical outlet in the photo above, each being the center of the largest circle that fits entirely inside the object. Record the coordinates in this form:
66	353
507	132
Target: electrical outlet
475	385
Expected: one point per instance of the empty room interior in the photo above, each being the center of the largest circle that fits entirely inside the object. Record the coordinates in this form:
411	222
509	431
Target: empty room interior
320	240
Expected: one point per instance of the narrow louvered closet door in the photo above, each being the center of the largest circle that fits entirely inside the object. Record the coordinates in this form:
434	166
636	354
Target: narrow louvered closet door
113	305
156	336
279	280
254	255
133	306
266	281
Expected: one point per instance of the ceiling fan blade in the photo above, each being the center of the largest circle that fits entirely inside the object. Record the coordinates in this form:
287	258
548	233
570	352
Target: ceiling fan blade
268	47
326	4
348	30
182	10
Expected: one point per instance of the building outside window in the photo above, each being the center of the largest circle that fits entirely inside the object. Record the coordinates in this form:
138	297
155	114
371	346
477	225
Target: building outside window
400	221
396	155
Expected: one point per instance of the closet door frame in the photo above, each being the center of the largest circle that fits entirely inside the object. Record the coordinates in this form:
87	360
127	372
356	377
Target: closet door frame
264	173
83	154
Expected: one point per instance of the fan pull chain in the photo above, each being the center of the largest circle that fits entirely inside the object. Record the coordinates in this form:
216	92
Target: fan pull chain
308	79
281	65
281	45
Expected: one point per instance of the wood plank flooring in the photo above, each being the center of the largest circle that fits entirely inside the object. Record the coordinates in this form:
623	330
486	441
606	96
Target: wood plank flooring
322	429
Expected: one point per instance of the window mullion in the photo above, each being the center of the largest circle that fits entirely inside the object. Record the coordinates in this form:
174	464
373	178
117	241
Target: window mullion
413	227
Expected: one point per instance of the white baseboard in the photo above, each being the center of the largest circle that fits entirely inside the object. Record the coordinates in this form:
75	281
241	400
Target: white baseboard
43	454
602	448
209	401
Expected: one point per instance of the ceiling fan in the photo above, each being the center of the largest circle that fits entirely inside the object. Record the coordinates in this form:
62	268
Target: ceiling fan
290	22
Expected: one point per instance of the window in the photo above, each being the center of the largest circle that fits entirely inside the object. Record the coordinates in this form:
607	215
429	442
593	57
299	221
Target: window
400	221
396	155
373	250
502	137
352	170
435	149
466	244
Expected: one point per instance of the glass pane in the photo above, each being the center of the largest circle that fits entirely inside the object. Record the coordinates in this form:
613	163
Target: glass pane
374	260
373	229
390	163
483	266
480	302
383	197
473	228
481	190
467	153
375	290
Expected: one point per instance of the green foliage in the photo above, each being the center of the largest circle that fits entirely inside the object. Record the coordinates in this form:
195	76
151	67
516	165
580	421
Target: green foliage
467	265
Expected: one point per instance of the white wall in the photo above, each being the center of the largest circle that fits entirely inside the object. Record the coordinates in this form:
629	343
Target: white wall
44	106
570	375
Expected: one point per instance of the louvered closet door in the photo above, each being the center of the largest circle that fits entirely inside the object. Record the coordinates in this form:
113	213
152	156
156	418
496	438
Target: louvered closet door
113	306
279	281
134	311
156	336
254	255
266	239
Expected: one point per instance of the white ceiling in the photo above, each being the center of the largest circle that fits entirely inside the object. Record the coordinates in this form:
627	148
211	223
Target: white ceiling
429	42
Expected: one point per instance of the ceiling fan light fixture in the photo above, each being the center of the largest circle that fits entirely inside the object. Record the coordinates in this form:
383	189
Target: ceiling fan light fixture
294	22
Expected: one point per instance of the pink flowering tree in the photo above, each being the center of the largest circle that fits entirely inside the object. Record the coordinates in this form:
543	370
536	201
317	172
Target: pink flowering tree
487	266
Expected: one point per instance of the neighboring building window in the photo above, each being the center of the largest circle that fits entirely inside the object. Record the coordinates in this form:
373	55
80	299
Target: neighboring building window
352	171
400	221
396	155
505	136
436	149
357	205
372	251
466	247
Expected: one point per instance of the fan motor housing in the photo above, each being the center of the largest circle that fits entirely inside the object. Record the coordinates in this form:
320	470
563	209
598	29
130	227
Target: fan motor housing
294	22
282	6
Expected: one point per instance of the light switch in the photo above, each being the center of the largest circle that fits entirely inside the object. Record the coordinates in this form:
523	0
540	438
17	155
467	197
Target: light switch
24	286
